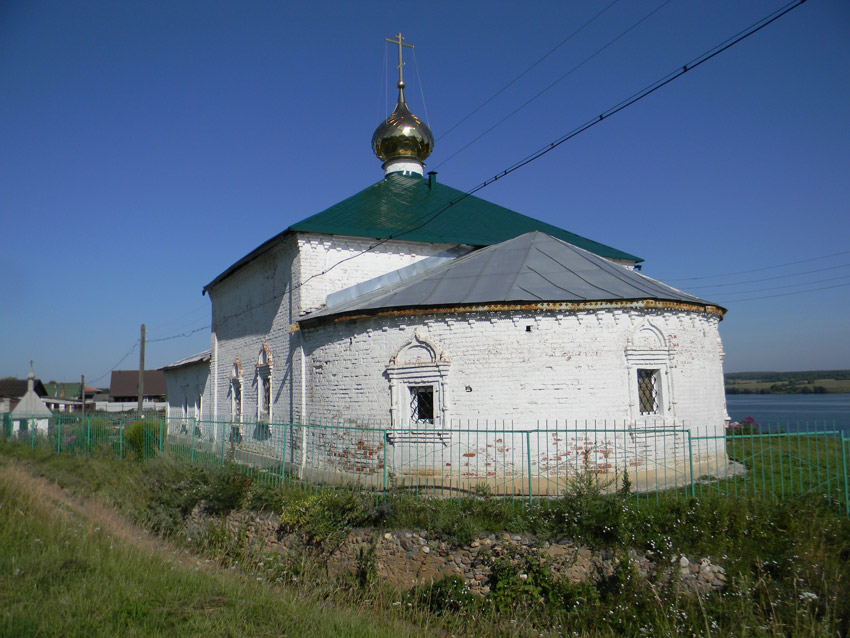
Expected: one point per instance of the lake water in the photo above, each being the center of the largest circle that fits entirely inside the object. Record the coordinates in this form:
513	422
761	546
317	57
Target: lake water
792	411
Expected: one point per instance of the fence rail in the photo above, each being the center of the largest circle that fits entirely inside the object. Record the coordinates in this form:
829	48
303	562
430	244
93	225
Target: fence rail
502	459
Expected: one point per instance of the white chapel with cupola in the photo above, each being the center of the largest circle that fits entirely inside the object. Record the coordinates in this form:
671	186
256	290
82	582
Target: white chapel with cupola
416	310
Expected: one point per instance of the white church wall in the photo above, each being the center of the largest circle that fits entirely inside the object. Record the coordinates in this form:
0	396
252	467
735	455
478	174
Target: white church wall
256	304
503	371
518	371
319	253
252	311
189	401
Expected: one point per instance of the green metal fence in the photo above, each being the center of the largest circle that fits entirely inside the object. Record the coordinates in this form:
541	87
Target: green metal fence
506	460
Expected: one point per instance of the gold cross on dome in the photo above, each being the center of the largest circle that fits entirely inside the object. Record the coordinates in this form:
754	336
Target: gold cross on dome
401	43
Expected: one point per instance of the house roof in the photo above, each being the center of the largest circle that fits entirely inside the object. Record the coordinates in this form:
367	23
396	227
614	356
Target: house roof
16	388
125	383
201	357
534	267
412	208
71	390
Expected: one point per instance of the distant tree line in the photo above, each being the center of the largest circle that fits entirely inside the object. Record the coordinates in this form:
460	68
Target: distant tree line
801	382
806	376
779	388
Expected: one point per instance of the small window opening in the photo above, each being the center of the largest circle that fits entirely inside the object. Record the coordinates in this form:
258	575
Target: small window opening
236	395
422	404
528	328
265	398
648	391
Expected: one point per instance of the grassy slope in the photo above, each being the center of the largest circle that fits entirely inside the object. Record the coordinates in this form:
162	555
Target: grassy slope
787	563
63	574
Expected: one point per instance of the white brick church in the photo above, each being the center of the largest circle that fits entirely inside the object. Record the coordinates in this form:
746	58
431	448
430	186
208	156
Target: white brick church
414	309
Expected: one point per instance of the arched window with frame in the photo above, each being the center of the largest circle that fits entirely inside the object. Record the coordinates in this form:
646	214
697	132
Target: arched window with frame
236	392
650	390
264	385
417	374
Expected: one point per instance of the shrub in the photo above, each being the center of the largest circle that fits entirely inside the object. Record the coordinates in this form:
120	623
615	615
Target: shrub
225	489
328	517
174	488
449	595
142	438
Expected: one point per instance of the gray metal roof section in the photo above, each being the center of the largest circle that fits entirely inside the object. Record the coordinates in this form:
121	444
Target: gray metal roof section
396	276
31	405
534	267
200	357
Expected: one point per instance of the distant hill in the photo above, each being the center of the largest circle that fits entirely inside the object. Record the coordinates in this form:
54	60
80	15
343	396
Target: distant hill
799	382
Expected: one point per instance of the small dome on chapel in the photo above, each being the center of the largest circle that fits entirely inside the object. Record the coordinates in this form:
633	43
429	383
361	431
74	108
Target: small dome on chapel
402	135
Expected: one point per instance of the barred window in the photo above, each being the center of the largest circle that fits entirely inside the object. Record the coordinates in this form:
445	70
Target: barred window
264	404
422	404
648	391
236	399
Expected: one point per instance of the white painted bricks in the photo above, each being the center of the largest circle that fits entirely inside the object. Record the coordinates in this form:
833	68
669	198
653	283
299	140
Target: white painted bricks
509	370
571	367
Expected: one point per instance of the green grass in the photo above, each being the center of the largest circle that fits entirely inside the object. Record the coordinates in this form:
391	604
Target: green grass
787	554
63	575
784	465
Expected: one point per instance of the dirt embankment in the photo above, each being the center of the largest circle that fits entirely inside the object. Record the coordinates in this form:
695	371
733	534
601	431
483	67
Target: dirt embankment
400	558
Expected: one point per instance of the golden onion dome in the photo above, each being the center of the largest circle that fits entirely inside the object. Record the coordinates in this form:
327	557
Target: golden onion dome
402	134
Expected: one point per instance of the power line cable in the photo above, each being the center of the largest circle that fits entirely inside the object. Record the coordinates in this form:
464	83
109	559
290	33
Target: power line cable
802	283
633	99
182	317
421	91
755	281
787	294
744	272
518	77
550	86
120	361
384	83
647	91
179	336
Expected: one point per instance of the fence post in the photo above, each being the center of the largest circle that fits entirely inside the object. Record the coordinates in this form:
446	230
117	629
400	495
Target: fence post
88	436
161	434
528	465
386	440
285	429
844	443
58	439
192	455
223	430
691	463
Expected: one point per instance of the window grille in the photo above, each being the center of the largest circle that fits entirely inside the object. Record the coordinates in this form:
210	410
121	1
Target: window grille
422	404
648	391
236	393
265	398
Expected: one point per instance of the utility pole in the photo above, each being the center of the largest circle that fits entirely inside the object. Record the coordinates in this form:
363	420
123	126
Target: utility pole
83	393
141	368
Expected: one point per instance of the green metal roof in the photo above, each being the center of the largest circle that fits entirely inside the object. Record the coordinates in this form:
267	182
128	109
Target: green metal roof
413	208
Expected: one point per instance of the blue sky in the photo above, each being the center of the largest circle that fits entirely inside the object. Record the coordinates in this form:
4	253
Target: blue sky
146	146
